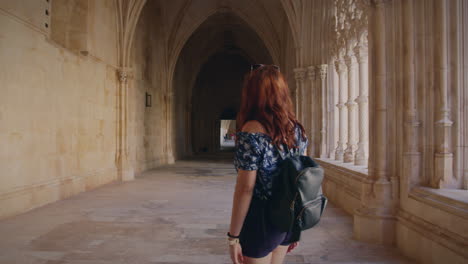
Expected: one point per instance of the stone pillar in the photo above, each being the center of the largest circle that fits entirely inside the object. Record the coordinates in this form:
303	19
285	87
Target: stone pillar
380	129
324	112
124	166
169	121
374	220
443	126
299	75
311	148
350	61
334	111
363	145
412	155
341	69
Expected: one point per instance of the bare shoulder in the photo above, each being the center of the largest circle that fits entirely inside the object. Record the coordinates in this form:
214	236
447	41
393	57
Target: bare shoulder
253	126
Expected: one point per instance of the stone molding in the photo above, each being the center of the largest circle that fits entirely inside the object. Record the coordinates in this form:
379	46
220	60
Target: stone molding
311	73
124	75
323	69
52	188
300	74
436	233
443	202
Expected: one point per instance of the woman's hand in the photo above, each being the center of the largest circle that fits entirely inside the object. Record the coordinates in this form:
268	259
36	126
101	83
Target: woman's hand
292	246
236	254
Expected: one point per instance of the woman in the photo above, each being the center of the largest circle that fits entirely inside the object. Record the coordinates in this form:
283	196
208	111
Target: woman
267	124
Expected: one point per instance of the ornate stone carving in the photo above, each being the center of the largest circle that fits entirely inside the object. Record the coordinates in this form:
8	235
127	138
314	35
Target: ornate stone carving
361	156
341	69
311	73
323	71
123	75
350	61
300	74
351	20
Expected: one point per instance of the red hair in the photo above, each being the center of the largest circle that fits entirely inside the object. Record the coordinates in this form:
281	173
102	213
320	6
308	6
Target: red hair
265	98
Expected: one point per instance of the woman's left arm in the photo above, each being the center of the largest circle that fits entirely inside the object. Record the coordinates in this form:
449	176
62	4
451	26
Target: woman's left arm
242	198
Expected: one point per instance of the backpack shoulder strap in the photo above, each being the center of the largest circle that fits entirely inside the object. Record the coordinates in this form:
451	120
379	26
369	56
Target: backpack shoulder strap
283	156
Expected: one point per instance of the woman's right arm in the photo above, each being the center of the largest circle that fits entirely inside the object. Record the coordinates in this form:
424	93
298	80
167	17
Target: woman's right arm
242	197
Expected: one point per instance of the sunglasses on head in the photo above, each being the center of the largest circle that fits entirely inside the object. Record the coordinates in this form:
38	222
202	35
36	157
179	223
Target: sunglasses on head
257	66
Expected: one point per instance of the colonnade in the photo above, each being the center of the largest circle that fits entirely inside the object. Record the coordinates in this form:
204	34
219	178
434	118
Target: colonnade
350	100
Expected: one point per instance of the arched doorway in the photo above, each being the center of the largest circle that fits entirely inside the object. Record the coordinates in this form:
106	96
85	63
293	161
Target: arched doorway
208	80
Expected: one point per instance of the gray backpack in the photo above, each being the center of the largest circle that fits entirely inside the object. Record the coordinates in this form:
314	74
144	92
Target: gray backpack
297	200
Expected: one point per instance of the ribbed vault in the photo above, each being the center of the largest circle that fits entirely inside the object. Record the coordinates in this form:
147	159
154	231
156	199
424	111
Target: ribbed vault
208	78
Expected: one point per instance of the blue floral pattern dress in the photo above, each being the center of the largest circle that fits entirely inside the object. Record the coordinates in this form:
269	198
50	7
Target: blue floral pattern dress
255	151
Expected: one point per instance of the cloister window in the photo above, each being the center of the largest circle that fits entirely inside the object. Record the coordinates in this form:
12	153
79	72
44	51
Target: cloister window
346	107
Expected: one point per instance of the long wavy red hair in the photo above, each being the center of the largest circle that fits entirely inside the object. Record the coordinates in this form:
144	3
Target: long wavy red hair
265	98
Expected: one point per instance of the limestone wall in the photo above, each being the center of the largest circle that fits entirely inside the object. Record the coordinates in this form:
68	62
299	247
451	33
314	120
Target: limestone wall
148	125
57	107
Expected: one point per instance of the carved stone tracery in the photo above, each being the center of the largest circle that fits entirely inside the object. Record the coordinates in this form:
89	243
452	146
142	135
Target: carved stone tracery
349	44
350	24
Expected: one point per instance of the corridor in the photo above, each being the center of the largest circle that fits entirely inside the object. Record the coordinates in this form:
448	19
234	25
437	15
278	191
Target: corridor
173	214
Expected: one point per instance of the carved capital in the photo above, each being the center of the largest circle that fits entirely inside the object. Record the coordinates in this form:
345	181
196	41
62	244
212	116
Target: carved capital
350	60
124	75
350	23
311	72
340	66
362	53
300	73
323	71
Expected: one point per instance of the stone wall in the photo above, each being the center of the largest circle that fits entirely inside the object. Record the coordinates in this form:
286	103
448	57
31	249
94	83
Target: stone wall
57	107
75	74
148	126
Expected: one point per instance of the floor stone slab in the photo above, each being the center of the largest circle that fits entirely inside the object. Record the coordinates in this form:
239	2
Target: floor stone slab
173	214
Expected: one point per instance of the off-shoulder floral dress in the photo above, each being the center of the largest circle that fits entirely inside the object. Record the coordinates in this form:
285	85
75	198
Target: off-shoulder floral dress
255	151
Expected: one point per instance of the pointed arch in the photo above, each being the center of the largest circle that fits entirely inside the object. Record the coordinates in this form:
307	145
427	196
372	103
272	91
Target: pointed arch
181	39
128	13
290	11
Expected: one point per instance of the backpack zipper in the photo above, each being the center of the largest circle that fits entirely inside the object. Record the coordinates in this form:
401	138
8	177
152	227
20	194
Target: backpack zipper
295	182
295	196
308	205
294	201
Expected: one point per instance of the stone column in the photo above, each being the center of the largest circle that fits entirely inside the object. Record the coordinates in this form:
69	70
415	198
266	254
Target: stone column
311	149
334	111
350	61
412	155
380	129
363	145
124	166
374	220
341	69
324	112
170	124
299	75
443	126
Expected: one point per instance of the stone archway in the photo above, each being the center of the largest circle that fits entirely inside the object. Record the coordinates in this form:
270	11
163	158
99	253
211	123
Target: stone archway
208	79
181	20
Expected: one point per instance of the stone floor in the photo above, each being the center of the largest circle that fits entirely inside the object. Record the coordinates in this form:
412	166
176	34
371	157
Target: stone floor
173	214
